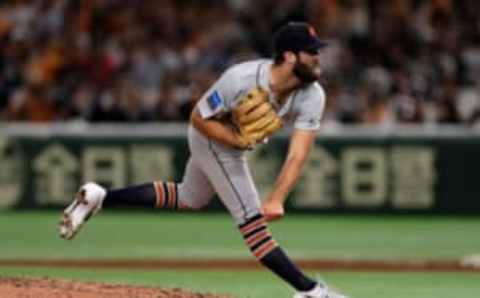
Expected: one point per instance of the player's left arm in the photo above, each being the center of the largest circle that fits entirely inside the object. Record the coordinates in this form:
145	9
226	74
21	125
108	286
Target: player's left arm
306	124
301	143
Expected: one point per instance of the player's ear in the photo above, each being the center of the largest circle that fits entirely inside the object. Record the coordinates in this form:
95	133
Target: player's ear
290	57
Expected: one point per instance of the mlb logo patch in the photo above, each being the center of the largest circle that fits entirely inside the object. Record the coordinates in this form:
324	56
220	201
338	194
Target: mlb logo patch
215	100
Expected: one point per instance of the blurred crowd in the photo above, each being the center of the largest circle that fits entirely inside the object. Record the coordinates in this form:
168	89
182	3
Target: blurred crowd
396	61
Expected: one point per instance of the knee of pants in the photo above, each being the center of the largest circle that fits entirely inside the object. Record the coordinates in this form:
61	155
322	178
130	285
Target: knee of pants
190	200
193	204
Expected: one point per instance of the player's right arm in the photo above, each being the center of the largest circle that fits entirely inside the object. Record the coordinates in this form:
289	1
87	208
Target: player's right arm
211	114
216	130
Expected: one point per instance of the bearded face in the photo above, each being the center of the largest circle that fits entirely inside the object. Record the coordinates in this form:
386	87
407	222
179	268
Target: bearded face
307	67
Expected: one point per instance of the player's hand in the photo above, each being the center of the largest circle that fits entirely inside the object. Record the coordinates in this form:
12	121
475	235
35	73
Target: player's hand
272	210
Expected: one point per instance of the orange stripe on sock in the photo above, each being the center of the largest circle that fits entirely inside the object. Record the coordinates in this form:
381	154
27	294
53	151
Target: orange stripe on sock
171	194
160	194
255	238
252	226
174	190
265	249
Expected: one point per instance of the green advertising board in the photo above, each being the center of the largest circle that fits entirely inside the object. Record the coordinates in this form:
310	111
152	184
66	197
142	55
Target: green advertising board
372	172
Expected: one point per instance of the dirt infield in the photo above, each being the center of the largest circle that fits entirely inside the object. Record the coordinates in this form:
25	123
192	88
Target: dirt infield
49	288
240	264
54	288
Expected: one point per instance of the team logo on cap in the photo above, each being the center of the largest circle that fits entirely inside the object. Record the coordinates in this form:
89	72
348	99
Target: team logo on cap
312	31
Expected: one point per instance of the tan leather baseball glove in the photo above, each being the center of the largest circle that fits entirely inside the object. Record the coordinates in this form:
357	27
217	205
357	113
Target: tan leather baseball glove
255	118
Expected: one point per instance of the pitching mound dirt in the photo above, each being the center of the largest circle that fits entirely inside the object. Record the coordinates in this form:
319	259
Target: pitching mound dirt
53	288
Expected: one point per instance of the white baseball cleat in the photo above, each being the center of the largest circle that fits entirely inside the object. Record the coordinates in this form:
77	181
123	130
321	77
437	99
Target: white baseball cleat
320	291
87	202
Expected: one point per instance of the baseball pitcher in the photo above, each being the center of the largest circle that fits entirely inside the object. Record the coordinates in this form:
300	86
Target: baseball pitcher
242	109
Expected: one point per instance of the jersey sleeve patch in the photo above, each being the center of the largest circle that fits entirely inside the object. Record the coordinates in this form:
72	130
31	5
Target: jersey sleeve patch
215	101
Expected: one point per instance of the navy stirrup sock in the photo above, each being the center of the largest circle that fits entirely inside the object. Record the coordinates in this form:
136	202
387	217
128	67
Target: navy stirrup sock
278	262
266	250
141	195
158	194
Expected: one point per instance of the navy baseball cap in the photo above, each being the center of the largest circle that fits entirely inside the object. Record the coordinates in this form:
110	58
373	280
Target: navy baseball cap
296	37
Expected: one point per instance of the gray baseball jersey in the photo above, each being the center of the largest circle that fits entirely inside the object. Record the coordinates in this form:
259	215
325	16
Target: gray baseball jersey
215	168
